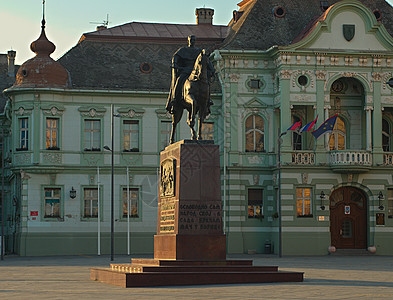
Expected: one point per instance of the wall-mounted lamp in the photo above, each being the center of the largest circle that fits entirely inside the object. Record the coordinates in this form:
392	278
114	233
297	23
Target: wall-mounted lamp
380	198
72	193
322	196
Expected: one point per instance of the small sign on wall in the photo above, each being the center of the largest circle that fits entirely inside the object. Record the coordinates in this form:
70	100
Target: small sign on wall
34	214
347	209
380	219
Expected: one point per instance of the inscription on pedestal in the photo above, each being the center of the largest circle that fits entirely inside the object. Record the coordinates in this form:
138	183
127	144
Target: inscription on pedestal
200	218
167	217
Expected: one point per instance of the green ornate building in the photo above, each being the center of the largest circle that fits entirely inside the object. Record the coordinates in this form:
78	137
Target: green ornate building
277	62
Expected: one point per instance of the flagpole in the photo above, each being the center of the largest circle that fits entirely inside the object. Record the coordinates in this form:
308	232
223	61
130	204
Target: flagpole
128	214
99	214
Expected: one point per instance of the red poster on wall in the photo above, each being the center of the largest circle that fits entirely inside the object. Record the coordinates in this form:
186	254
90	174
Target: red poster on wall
34	213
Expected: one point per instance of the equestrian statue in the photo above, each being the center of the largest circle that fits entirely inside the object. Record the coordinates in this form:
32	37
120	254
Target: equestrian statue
190	88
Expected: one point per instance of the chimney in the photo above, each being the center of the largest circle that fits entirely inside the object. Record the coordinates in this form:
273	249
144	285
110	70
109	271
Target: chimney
11	63
204	16
101	27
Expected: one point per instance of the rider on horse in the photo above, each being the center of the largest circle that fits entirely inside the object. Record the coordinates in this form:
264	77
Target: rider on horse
182	65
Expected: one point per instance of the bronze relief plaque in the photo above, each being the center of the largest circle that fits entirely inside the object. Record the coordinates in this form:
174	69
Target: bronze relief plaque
168	178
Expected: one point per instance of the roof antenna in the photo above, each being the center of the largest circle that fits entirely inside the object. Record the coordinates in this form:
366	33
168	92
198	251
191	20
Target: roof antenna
103	23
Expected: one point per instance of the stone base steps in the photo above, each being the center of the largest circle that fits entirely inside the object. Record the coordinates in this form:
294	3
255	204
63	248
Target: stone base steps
352	252
177	273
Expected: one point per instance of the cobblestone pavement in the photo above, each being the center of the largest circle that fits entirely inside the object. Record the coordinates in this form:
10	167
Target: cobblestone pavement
326	277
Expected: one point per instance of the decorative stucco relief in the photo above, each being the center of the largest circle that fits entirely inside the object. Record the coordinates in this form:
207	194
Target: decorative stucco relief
285	74
52	158
302	98
22	158
377	76
255	160
53	111
131	114
297	73
234	77
321	75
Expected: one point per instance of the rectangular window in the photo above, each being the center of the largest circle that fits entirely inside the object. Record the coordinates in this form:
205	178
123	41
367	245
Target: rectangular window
92	135
207	131
165	134
133	194
303	201
130	136
52	129
23	134
390	203
52	202
255	203
90	203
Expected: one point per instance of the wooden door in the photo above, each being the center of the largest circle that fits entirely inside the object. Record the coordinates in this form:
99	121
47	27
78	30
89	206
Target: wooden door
348	219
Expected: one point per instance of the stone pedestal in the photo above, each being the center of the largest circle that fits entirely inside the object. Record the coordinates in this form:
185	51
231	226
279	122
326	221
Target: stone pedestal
189	223
189	247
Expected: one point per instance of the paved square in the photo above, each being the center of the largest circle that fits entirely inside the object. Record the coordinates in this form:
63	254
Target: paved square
327	277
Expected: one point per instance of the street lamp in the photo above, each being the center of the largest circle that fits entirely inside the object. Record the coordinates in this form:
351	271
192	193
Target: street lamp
322	196
380	198
279	142
112	195
112	181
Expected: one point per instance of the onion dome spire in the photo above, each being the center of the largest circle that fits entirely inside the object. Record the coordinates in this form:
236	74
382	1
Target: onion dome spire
42	46
42	71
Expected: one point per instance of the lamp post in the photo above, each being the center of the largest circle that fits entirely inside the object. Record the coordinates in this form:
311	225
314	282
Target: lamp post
322	196
279	142
112	181
380	198
112	196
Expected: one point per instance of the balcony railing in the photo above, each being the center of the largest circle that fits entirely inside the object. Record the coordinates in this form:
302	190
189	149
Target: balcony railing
355	158
303	158
388	159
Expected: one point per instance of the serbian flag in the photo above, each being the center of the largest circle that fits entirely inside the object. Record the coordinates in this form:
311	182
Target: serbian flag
295	125
326	126
309	126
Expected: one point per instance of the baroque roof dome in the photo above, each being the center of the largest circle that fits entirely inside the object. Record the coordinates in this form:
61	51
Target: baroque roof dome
42	71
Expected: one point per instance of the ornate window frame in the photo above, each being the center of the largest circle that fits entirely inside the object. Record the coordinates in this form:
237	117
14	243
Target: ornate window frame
61	200
254	129
131	114
138	217
92	113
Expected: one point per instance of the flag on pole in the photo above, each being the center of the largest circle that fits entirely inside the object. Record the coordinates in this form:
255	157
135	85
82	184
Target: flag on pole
309	126
326	126
295	125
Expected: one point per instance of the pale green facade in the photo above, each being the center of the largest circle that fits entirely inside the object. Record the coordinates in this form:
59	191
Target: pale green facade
360	68
322	74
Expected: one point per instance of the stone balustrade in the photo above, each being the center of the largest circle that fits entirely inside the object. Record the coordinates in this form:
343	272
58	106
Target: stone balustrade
363	158
303	158
388	159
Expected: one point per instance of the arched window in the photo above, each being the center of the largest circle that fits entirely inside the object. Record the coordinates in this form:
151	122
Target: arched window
338	136
385	135
296	137
255	135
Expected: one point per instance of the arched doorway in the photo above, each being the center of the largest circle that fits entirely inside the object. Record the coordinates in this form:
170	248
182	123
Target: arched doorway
348	218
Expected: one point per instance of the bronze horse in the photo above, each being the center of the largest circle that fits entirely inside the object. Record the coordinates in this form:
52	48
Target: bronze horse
195	97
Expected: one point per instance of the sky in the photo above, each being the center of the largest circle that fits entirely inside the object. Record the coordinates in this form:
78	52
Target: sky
67	20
